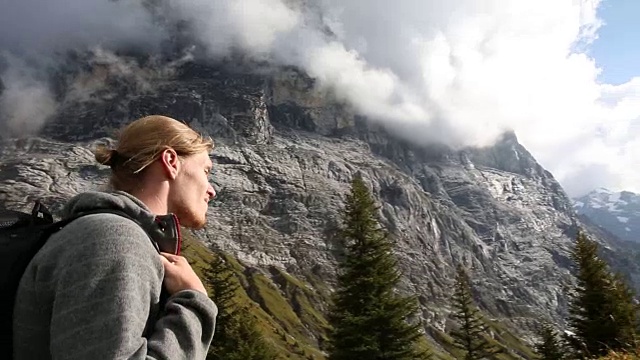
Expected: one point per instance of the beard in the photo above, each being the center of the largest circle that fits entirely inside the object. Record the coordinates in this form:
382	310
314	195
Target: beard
188	216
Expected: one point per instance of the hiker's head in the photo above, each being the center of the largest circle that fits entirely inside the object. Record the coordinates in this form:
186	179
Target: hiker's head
166	164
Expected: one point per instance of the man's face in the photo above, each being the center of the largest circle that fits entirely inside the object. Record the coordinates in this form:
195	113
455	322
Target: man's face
191	191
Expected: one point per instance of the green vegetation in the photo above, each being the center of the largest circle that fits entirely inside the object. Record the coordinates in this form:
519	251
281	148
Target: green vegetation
513	348
259	301
602	309
549	347
471	335
615	355
369	320
237	334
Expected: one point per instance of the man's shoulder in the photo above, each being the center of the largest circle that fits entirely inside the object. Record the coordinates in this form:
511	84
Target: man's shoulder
105	223
102	232
98	243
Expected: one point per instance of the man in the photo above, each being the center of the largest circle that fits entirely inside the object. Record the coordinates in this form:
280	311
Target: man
94	289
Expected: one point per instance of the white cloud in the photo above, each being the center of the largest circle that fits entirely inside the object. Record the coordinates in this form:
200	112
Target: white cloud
458	71
51	26
476	68
250	25
373	92
463	71
26	101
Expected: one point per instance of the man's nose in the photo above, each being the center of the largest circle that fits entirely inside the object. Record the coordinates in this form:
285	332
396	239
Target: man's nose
211	192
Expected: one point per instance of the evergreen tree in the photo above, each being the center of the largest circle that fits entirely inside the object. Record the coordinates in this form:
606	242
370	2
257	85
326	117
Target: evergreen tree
237	336
602	309
549	347
369	320
242	340
470	336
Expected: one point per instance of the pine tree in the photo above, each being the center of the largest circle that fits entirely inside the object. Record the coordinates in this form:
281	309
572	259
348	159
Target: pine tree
237	336
602	310
470	337
549	347
369	320
242	340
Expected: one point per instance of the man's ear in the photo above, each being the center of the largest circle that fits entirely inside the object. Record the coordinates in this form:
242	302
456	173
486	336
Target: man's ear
170	163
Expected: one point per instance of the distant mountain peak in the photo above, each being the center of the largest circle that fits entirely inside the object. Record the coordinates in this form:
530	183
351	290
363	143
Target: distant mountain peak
616	211
602	190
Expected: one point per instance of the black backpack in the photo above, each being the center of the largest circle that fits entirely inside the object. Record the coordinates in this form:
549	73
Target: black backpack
21	236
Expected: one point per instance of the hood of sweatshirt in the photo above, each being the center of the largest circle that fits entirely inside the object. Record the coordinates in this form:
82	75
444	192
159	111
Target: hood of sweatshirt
164	230
116	200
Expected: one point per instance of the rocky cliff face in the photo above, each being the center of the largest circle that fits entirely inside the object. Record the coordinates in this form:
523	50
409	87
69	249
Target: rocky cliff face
284	158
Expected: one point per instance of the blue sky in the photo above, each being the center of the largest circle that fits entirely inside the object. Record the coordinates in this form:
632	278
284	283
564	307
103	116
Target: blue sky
617	49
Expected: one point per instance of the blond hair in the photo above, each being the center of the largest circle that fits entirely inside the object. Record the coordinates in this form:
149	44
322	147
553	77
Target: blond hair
142	142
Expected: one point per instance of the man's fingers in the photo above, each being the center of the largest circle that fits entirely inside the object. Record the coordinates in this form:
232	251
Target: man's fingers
171	257
165	261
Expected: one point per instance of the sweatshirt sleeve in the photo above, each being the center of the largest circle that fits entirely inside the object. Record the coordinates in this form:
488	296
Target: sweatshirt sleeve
105	293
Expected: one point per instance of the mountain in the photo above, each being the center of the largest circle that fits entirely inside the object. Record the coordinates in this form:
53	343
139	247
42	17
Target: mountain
285	153
616	212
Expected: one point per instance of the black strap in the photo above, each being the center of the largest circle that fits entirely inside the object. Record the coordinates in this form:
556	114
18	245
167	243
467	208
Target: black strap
40	213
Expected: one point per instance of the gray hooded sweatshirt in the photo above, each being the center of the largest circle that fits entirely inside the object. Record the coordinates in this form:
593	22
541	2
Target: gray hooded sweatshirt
93	292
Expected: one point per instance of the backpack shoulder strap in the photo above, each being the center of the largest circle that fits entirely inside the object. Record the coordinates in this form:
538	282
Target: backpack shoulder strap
40	215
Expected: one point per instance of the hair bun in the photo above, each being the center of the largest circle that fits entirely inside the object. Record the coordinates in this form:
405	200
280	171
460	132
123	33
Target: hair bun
106	156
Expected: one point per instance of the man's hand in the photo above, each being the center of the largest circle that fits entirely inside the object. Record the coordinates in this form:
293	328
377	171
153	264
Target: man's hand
178	275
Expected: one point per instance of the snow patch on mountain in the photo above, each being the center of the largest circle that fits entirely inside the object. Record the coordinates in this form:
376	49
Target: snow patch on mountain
617	212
